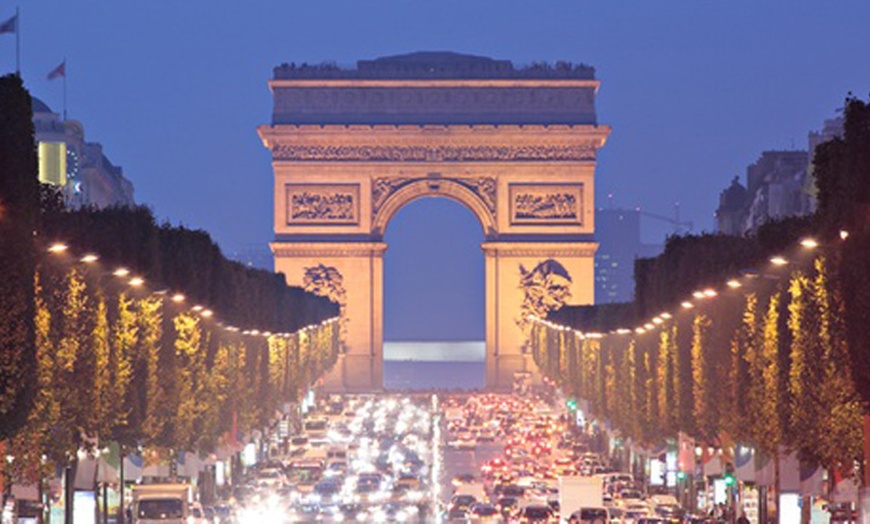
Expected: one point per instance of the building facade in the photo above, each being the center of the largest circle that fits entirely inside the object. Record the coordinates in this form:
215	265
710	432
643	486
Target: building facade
85	175
778	185
617	232
516	146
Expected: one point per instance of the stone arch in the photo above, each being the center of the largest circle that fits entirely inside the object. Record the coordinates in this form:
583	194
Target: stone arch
434	187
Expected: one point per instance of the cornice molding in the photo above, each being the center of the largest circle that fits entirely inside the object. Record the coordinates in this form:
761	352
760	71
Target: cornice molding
433	153
327	249
539	249
431	82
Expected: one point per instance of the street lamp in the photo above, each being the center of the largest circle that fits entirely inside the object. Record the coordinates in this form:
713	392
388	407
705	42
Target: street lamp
778	261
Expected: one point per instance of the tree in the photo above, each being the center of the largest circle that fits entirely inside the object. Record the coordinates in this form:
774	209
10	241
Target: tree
703	383
36	437
840	421
151	398
805	373
104	394
666	376
764	394
188	383
123	339
19	208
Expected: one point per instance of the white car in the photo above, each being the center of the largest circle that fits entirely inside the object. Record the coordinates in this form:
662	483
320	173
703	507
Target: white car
464	441
271	478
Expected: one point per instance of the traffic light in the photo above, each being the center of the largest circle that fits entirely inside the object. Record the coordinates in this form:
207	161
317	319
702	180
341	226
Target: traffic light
681	475
729	474
572	404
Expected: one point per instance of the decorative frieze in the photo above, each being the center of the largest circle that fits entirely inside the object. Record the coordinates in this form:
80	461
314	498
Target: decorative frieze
546	204
434	153
322	204
483	187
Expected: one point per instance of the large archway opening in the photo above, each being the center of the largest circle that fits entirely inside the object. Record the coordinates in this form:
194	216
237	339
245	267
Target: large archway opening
434	298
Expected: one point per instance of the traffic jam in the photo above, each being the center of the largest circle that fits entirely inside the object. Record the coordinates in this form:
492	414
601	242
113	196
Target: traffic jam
442	459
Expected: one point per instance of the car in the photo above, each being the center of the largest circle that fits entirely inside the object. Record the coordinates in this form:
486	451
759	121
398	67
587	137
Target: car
537	513
463	478
512	490
590	516
630	494
457	514
663	500
197	514
270	478
507	506
350	513
327	491
486	435
406	482
480	513
670	511
464	441
463	501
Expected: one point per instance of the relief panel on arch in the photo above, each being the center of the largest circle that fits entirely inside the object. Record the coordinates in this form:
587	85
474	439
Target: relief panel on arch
546	204
322	204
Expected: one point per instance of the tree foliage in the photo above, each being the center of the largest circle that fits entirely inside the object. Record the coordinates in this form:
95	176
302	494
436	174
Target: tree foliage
19	197
766	366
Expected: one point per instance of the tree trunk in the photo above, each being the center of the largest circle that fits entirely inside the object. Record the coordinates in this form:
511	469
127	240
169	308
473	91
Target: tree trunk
68	490
864	492
776	488
866	465
121	508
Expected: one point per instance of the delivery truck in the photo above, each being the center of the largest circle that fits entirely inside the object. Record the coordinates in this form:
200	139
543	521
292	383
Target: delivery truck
161	504
578	492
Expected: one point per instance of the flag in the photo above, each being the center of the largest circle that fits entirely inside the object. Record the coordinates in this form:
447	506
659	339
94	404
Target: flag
9	26
60	70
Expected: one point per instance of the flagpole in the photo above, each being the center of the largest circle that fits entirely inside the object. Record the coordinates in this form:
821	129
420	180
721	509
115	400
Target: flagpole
17	43
64	88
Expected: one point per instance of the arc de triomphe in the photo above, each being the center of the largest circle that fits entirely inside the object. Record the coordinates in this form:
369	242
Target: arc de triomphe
516	146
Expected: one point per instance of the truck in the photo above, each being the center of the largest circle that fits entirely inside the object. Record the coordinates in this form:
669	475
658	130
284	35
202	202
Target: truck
161	503
578	492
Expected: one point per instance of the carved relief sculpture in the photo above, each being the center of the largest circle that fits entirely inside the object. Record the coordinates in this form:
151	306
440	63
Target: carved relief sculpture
309	204
327	281
382	188
440	153
545	288
546	204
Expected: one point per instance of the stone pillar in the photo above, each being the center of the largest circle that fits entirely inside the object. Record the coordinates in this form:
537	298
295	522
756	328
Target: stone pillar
361	267
505	295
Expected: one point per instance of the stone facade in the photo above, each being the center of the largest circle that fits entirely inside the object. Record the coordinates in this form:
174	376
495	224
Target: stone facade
81	169
350	149
778	185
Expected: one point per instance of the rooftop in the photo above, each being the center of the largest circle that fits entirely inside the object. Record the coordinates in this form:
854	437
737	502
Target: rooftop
435	65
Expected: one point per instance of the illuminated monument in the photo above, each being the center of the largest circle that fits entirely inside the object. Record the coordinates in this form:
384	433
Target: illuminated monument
516	146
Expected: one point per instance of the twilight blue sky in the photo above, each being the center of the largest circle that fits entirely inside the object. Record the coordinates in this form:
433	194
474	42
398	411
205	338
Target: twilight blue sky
694	90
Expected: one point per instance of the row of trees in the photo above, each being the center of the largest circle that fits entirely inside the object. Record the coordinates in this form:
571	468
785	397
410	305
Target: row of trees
86	357
184	259
766	365
123	364
778	363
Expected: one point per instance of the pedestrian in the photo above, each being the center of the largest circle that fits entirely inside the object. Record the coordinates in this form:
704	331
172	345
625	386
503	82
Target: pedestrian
742	518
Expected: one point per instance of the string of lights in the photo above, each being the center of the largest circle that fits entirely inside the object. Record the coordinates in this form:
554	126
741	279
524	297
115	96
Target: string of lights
126	275
700	296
